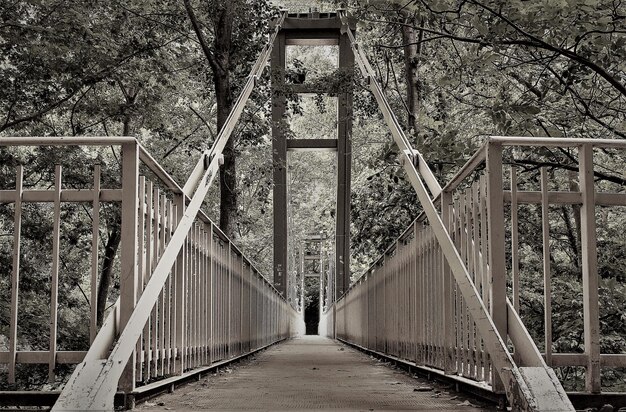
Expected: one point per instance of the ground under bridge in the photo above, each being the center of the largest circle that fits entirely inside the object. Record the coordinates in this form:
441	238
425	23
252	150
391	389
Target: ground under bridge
436	301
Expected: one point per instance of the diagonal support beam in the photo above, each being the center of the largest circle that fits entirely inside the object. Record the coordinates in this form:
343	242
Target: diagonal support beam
525	388
94	382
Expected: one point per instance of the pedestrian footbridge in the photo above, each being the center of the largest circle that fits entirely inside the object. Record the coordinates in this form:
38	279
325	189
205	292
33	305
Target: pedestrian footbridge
443	301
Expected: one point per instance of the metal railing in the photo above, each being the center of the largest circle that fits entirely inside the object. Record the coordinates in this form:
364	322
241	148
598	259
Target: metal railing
408	305
525	387
213	306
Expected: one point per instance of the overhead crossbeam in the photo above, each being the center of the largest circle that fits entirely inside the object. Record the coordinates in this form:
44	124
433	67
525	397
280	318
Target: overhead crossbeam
311	145
525	387
94	382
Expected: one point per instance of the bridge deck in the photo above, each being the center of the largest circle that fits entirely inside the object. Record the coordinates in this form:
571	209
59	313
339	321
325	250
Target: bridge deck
312	373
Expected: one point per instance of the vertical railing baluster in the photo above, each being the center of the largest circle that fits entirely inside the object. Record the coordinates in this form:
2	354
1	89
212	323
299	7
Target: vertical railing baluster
169	228
179	290
547	276
241	308
15	273
54	277
193	292
223	300
229	308
497	257
95	235
423	293
211	315
141	269
155	259
589	269
464	255
415	296
162	296
149	266
514	239
460	366
448	287
477	374
484	263
205	295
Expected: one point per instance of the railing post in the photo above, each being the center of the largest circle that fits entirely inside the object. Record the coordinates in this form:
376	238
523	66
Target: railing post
179	304
448	309
128	259
589	269
15	272
497	263
54	278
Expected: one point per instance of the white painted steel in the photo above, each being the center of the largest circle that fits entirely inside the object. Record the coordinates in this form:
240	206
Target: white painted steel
93	384
194	353
518	392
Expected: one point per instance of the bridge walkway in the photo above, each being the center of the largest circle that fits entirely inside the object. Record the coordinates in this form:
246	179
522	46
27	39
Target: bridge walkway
312	372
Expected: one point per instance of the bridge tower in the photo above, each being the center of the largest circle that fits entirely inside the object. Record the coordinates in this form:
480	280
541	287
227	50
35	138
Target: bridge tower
311	29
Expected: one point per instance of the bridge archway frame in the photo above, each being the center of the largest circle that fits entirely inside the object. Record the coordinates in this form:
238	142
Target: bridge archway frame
311	29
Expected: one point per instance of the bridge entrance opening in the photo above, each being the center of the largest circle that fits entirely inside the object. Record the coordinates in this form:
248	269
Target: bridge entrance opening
314	271
311	305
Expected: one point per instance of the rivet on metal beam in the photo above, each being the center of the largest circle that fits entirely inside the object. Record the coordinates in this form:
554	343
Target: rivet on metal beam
209	159
410	155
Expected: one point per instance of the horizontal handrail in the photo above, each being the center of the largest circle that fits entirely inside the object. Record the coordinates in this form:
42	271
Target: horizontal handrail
557	141
65	141
479	157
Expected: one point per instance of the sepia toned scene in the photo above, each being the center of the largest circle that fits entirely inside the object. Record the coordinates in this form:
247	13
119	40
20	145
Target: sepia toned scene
325	205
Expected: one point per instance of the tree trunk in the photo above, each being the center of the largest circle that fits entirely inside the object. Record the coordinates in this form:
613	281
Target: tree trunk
219	59
576	241
115	231
412	49
106	275
224	100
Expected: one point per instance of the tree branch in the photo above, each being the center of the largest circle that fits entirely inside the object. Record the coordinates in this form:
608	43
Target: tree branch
540	43
201	39
601	176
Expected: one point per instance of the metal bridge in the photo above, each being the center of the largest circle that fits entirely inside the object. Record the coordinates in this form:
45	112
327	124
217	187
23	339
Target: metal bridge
436	301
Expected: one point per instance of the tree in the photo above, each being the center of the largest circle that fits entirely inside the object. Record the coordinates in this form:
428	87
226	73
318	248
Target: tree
545	50
235	26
